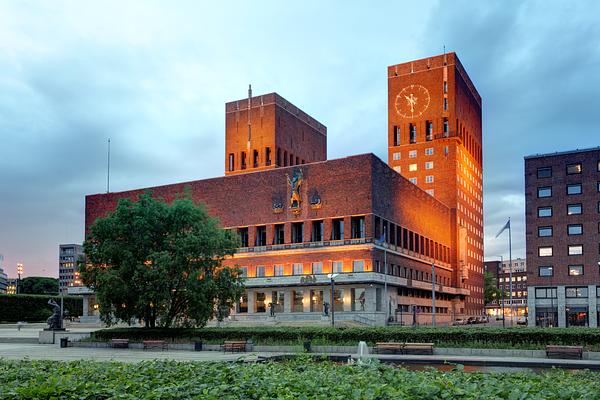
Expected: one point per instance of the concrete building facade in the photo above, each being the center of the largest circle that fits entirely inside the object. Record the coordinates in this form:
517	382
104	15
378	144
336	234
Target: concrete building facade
562	206
68	271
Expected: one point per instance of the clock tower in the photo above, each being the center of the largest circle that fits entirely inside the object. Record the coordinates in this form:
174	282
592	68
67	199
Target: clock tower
435	141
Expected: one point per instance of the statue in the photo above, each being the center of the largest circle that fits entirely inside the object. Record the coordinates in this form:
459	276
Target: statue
55	320
326	308
295	183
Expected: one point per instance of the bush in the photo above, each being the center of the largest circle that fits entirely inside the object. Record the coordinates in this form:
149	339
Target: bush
34	308
487	337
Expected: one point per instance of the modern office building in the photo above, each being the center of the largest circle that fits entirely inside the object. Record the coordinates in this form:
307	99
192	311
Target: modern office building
435	141
68	272
301	217
501	271
562	206
11	285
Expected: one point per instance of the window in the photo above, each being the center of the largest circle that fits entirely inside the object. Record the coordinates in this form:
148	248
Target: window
545	293
231	161
255	159
445	103
429	130
430	192
412	167
317	268
413	133
398	169
317	231
261	235
278	270
412	154
297	269
574	189
297	232
244	272
278	234
397	137
545	251
544	231
544	212
545	191
337	267
576	291
413	181
574	209
429	165
278	160
573	169
575	270
446	127
285	158
598	186
396	156
544	172
268	156
575	229
260	271
358	265
358	227
546	270
575	249
429	179
429	151
243	232
445	87
337	229
297	300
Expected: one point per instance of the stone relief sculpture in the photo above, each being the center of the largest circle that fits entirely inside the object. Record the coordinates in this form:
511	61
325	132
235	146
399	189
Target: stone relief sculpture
295	183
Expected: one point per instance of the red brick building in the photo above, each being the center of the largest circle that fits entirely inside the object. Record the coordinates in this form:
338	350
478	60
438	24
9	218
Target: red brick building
301	217
435	141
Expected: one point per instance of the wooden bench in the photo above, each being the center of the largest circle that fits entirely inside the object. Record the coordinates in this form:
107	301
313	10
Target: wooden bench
392	347
553	351
234	345
155	344
119	343
417	348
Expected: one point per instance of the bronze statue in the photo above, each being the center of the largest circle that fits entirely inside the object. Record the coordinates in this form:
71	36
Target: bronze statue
295	183
55	320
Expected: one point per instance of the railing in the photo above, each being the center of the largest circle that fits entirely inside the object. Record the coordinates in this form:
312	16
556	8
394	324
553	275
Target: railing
304	245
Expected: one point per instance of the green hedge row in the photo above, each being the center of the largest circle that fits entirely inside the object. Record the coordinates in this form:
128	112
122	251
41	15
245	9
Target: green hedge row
34	308
536	336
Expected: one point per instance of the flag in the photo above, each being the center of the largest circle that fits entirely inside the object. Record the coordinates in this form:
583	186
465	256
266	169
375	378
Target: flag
506	226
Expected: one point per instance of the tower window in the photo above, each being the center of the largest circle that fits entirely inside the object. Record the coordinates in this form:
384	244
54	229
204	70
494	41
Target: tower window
445	87
285	159
255	159
278	236
278	157
337	231
446	127
429	130
268	156
358	227
291	159
261	235
243	232
396	136
231	161
413	133
445	104
297	232
243	160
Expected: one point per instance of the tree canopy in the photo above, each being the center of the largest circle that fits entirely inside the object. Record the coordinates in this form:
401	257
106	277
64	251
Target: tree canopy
38	285
491	291
161	262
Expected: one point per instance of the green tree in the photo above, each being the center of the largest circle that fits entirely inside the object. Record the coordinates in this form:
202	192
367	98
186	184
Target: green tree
160	262
491	291
38	285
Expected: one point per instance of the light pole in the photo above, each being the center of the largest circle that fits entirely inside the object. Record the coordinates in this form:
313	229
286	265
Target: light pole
432	294
19	273
332	277
502	290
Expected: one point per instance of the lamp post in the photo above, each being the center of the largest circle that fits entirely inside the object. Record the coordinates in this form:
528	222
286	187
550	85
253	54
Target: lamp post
502	269
432	294
19	273
332	277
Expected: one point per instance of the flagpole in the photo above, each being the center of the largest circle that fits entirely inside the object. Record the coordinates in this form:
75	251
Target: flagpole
385	290
510	272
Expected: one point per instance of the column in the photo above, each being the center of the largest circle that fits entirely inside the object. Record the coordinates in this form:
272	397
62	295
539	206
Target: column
327	225
86	305
370	299
306	302
270	232
562	316
287	301
251	302
530	306
592	306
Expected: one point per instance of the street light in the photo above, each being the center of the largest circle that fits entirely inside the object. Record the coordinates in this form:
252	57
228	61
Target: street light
332	277
432	294
19	273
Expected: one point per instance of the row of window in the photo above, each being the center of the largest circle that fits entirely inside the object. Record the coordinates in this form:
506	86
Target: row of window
514	279
570	292
548	270
572	189
572	230
571	169
572	209
573	250
280	161
298	269
412	153
412	130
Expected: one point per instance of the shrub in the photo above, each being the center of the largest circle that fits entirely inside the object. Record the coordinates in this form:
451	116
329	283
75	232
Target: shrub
34	308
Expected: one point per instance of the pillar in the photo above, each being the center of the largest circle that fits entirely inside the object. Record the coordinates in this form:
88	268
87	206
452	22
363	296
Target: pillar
592	306
251	302
86	305
287	301
530	305
562	316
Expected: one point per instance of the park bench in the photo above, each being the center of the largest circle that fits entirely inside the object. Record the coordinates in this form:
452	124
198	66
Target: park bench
119	343
554	351
234	345
392	347
155	344
417	348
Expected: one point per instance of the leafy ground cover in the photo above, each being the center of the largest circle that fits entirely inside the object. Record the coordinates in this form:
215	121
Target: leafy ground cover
512	338
299	379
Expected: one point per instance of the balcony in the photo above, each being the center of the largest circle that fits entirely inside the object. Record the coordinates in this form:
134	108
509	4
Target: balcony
304	245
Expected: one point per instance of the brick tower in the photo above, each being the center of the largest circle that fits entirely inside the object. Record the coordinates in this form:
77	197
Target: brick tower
267	131
435	141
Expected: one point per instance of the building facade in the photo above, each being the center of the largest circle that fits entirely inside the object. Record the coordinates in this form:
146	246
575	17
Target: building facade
435	141
3	277
11	285
501	271
304	221
562	205
68	271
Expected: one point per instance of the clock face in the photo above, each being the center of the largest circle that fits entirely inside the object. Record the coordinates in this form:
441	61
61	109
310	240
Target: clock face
412	101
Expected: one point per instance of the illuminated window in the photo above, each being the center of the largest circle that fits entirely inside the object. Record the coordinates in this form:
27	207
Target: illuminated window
429	165
317	268
278	270
260	271
396	156
575	249
398	169
297	269
412	167
231	161
337	267
545	251
358	265
575	270
573	169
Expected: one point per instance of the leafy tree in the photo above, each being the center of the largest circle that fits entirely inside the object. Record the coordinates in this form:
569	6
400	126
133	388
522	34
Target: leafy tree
160	262
491	291
38	285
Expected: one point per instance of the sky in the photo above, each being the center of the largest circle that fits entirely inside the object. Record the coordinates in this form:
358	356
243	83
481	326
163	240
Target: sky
154	76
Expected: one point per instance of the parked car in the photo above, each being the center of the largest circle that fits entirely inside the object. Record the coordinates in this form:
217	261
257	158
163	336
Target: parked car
471	320
478	320
522	321
458	322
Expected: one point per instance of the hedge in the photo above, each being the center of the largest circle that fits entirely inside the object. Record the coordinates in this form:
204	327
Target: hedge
34	308
457	335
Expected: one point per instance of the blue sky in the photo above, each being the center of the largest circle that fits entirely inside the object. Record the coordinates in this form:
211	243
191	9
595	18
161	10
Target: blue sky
154	76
